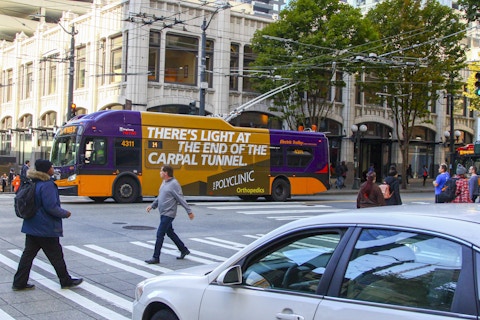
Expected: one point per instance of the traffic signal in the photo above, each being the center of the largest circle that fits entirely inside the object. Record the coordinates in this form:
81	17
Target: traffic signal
73	110
477	84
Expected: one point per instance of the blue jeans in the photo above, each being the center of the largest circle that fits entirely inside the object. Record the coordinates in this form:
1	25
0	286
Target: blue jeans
166	228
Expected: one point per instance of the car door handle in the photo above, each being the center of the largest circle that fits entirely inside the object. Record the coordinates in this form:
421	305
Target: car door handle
289	316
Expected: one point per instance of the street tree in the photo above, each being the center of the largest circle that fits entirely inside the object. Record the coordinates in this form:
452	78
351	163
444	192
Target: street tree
419	58
307	46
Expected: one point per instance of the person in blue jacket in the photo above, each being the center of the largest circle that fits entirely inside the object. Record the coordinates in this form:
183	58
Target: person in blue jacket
43	230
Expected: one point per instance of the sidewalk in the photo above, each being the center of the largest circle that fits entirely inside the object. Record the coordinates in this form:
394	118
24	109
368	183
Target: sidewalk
414	186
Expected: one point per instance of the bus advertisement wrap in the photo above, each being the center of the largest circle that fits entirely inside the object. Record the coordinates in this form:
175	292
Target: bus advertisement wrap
119	154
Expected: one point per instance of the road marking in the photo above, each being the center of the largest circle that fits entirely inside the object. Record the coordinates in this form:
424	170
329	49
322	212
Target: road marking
171	252
127	258
198	253
214	243
240	207
5	316
111	262
291	211
288	218
69	294
253	236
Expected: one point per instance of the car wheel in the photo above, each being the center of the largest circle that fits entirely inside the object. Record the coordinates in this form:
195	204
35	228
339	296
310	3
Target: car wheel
125	190
280	190
164	315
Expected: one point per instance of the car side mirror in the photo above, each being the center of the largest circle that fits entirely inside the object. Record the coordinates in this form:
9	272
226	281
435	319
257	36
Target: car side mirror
230	276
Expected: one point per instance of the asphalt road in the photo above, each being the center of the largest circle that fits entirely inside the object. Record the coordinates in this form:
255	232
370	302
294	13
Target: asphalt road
107	244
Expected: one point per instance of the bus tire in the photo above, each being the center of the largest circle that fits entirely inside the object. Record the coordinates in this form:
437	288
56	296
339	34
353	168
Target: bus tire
280	190
98	199
125	190
248	198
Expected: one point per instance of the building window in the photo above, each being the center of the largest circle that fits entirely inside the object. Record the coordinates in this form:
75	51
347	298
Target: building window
116	59
52	79
80	68
248	58
101	62
9	85
209	63
154	56
28	80
181	59
339	84
234	65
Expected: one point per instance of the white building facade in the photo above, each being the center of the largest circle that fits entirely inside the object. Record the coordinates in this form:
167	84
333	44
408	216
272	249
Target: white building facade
148	56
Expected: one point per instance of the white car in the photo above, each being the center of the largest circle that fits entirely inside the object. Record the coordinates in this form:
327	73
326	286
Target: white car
398	262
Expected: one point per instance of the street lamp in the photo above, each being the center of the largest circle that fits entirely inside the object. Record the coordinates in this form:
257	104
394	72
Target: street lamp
358	132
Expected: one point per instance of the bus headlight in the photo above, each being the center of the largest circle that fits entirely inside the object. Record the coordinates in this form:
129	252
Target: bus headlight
73	177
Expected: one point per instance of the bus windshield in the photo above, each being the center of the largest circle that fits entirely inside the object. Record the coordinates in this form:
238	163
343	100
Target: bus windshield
64	150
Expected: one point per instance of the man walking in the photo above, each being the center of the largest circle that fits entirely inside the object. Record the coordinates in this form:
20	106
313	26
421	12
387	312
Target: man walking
473	183
23	172
169	195
43	230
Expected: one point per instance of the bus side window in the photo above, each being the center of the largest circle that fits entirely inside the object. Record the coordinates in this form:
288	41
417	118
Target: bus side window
276	156
95	151
299	157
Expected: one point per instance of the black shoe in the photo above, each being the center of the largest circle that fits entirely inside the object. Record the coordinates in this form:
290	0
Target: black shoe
28	286
74	282
153	261
183	254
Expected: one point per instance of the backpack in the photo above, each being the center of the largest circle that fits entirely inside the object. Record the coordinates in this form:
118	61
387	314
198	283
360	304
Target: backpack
385	187
24	201
449	191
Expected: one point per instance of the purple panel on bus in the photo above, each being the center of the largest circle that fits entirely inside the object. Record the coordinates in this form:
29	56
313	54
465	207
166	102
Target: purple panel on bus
306	152
112	123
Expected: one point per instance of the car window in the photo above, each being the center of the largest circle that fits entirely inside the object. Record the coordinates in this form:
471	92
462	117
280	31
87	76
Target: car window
403	268
296	264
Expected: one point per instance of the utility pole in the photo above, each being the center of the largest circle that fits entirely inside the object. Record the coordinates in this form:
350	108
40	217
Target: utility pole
203	66
203	62
71	72
452	131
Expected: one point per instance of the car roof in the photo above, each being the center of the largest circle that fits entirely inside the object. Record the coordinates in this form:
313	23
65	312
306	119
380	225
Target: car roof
461	221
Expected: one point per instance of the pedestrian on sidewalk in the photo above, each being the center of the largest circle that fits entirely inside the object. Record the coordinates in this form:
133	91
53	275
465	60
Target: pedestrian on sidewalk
169	195
425	174
370	194
392	181
43	230
440	180
473	187
462	192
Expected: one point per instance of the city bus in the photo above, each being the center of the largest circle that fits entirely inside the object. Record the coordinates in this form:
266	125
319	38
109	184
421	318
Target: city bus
118	154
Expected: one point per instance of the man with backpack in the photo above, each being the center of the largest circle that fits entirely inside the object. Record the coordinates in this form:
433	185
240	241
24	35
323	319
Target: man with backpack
43	230
462	193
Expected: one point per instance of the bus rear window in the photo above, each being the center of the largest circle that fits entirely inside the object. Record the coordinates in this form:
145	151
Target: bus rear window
299	156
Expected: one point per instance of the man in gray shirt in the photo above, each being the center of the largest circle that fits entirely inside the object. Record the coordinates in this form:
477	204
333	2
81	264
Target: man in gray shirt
169	195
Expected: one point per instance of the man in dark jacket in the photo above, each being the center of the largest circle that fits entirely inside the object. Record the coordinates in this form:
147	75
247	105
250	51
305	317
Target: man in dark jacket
43	231
392	181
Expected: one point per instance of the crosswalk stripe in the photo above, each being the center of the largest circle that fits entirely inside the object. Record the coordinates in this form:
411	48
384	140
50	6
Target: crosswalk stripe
171	252
287	218
244	207
69	294
5	316
253	236
214	243
111	262
291	211
127	258
198	253
119	302
235	244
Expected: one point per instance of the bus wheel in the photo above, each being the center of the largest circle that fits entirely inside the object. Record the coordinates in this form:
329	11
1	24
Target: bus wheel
248	198
280	190
126	190
98	199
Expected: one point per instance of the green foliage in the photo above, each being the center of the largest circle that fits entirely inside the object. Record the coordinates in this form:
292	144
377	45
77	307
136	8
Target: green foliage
307	45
